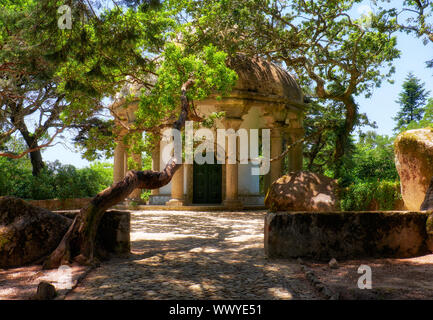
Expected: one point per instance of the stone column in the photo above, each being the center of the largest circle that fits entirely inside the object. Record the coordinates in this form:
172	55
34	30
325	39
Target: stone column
136	194
189	168
266	182
276	150
119	162
155	167
177	195
296	154
231	195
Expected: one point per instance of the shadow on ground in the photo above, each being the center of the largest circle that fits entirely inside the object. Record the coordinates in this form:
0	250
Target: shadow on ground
197	255
409	278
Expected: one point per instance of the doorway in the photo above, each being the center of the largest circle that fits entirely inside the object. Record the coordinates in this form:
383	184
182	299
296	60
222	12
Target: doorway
207	183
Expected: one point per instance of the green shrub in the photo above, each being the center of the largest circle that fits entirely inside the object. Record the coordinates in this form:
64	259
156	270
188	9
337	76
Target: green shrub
145	194
359	196
55	181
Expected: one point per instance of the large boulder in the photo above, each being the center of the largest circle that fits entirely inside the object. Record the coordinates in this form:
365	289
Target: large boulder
28	233
414	163
302	191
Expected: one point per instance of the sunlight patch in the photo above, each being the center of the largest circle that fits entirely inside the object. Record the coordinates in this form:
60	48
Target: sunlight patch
139	235
205	250
280	293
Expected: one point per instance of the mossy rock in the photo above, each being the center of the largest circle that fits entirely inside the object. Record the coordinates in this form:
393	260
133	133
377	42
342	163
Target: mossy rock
414	163
28	233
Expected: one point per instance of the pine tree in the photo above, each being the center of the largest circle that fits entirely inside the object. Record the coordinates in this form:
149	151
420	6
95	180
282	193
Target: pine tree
412	101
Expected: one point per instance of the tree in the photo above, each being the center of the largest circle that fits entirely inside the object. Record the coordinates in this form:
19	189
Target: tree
374	158
412	101
318	40
78	242
181	77
415	17
28	86
95	59
54	79
427	119
321	125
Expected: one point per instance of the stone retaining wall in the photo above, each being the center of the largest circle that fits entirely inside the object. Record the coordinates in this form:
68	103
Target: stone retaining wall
113	234
345	235
61	204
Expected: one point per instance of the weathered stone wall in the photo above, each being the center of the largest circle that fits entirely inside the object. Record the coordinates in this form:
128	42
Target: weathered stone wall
61	204
344	235
113	235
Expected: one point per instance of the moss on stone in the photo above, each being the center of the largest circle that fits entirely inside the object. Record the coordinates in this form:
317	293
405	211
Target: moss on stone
3	241
429	225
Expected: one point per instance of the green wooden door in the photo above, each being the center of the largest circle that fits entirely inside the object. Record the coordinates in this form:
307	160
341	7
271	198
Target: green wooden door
207	183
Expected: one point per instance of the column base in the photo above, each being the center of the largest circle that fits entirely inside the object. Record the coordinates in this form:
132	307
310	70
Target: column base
175	203
233	204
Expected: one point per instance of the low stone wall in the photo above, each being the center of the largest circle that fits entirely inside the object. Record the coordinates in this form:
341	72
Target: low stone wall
345	235
113	235
61	204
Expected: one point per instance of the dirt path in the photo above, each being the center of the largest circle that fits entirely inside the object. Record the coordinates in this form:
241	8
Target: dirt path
391	278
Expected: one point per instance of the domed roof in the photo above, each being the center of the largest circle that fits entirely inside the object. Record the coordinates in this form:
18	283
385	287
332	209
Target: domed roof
266	78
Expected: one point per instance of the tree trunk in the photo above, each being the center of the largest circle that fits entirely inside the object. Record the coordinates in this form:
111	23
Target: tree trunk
37	163
35	156
78	242
344	133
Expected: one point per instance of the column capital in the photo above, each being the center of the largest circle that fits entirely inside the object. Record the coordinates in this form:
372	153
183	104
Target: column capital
277	130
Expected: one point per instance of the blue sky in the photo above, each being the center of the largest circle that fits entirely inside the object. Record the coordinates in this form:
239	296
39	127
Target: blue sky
380	107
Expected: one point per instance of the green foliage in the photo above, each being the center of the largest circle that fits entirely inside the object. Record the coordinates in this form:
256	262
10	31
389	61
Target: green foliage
55	181
367	171
208	70
370	175
330	51
359	197
374	158
322	124
412	100
427	119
